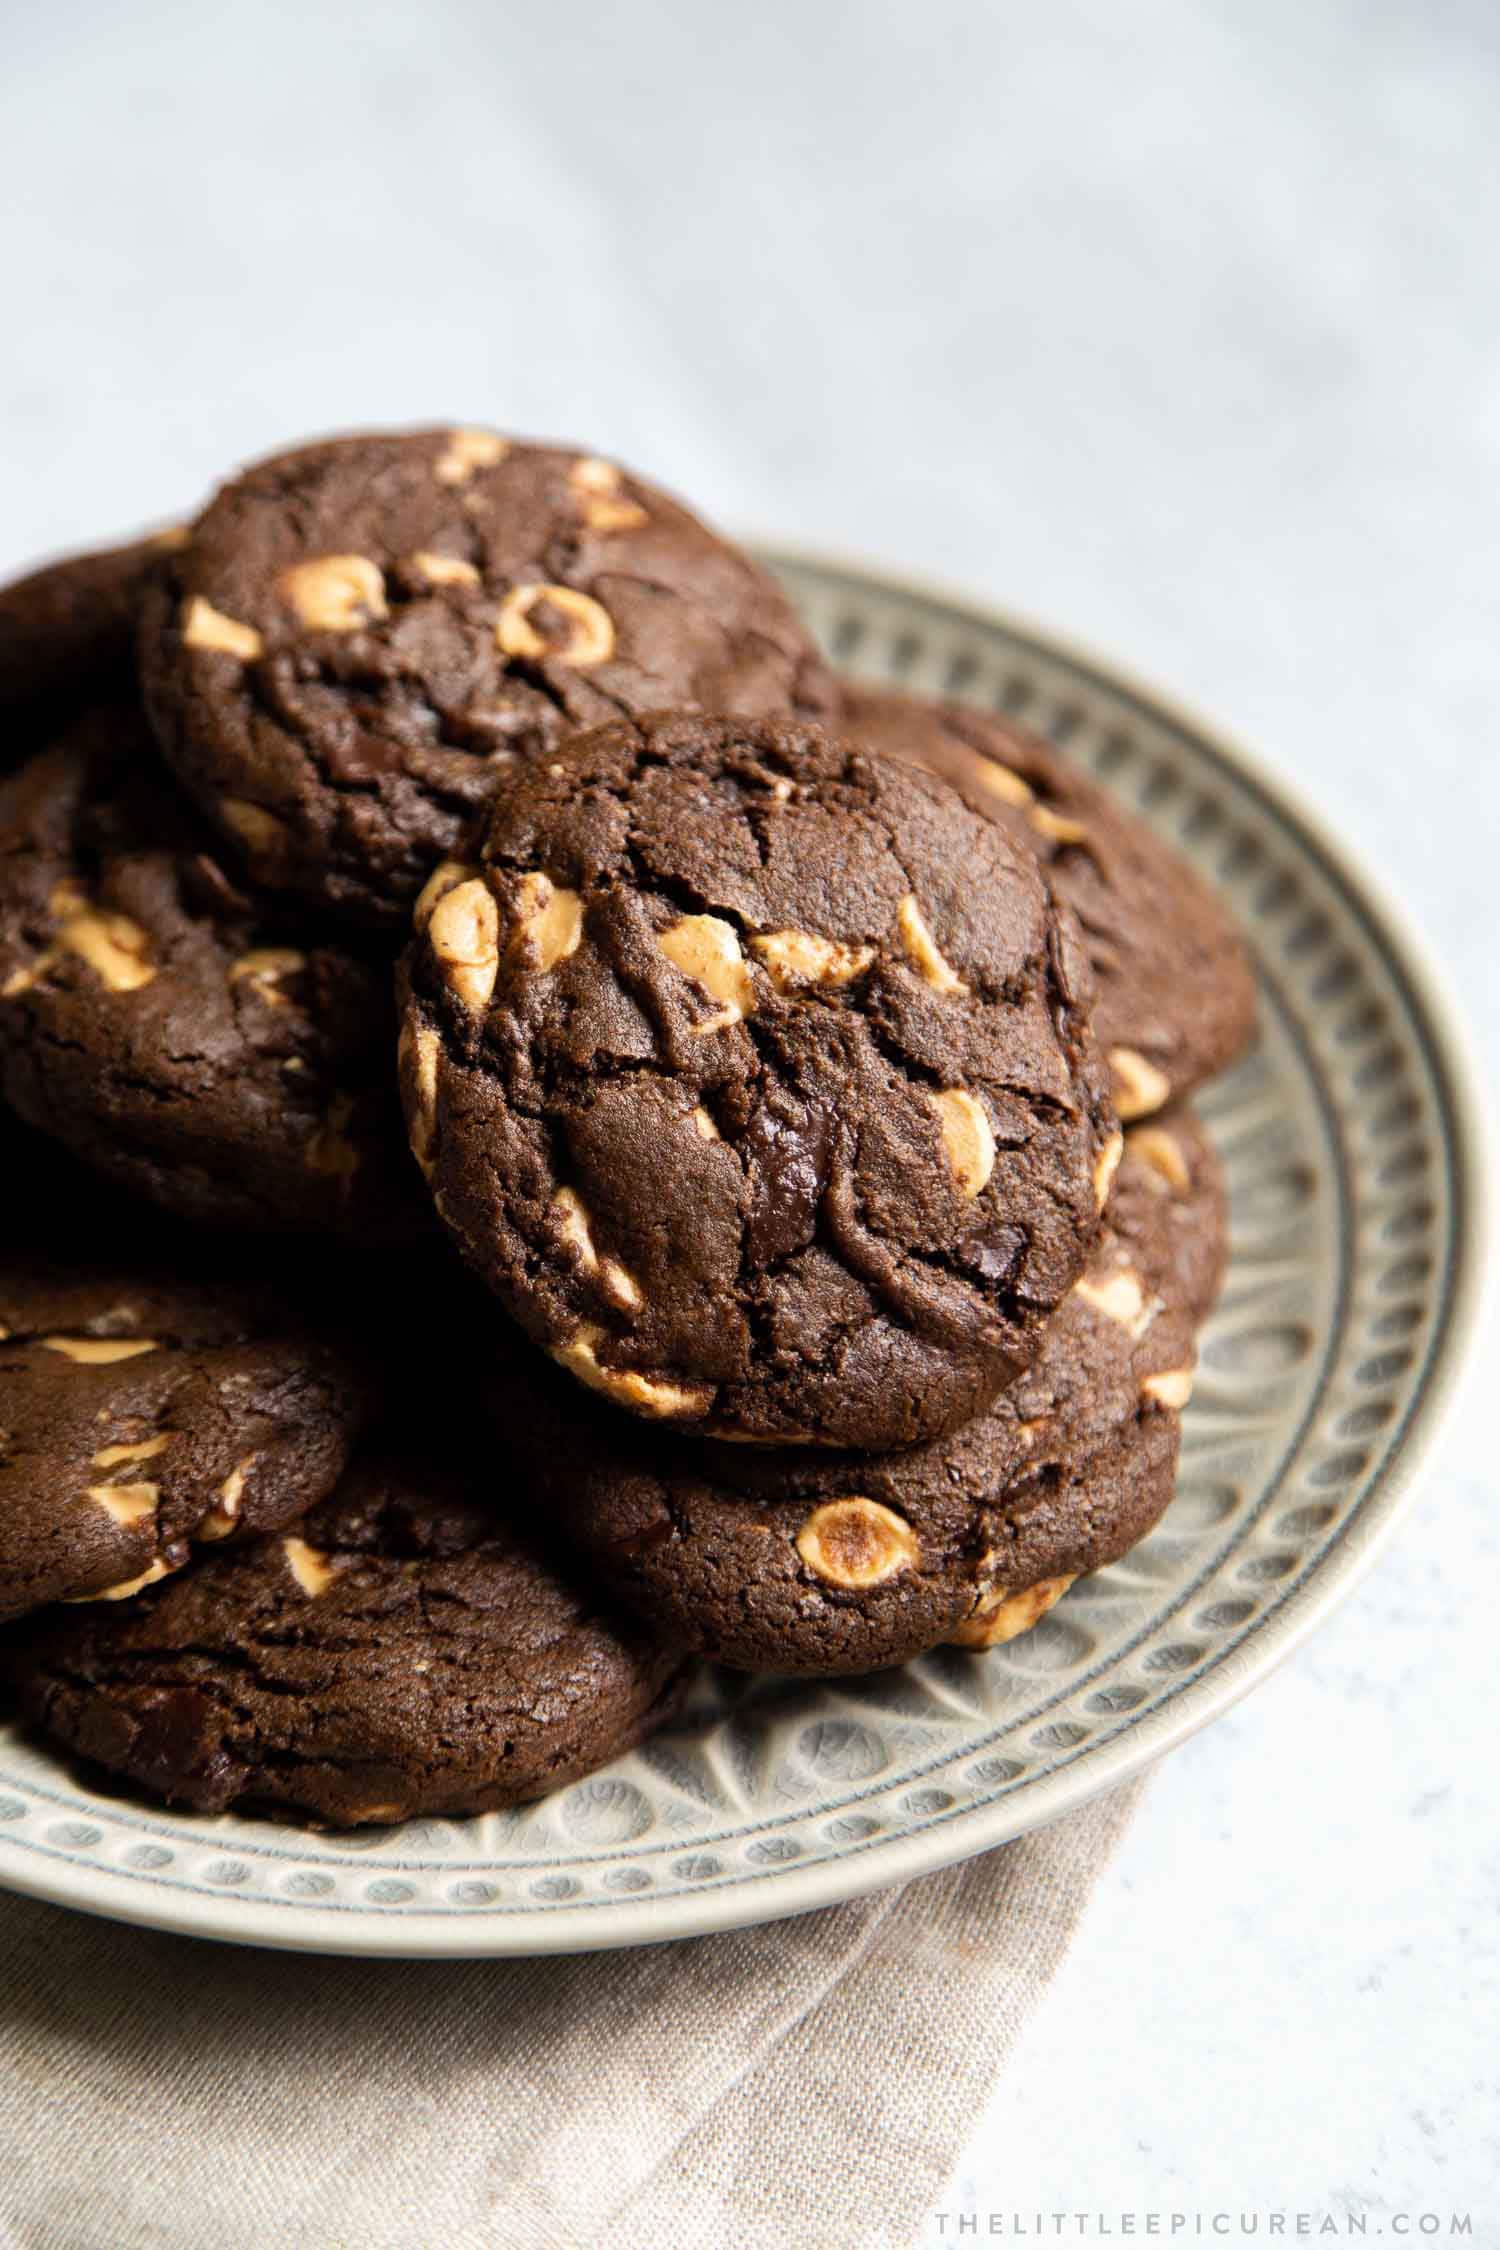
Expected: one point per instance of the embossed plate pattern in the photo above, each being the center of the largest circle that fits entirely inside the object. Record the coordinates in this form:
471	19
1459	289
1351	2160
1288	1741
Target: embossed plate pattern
1355	1246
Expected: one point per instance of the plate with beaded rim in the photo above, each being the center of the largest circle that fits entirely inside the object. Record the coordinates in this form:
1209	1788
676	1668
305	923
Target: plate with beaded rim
1354	1179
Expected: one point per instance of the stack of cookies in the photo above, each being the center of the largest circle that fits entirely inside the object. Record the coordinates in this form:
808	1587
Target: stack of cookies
550	1137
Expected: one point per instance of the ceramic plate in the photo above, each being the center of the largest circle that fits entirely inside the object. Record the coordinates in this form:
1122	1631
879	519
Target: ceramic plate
1353	1174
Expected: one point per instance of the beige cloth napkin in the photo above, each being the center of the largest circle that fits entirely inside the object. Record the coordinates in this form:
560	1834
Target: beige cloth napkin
812	2082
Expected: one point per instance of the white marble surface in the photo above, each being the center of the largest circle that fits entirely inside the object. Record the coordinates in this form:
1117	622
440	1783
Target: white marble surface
1174	325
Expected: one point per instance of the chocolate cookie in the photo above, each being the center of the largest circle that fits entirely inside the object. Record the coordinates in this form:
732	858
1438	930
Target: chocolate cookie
1186	1221
140	1412
1176	990
362	635
67	639
753	1074
176	1031
405	1651
800	1561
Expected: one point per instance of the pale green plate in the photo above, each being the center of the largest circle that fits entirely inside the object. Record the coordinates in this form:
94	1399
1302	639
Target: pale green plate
1356	1246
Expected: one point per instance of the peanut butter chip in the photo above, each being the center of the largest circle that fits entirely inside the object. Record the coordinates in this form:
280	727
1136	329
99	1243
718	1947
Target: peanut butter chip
312	1570
802	957
707	949
264	968
619	1285
1163	1157
112	945
445	877
113	948
1120	1297
203	626
444	570
591	474
645	1393
127	1503
466	451
127	1586
222	1518
260	832
573	1225
232	1490
856	1542
418	1054
589	636
614	515
601	501
548	925
703	1125
577	1231
1058	826
335	593
1106	1164
98	1351
1172	1388
922	948
1001	782
464	933
111	1456
999	1616
1139	1087
968	1136
329	1149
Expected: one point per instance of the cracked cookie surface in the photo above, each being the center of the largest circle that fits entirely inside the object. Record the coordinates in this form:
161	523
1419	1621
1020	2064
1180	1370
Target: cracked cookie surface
404	1651
753	1074
363	636
803	1561
175	1030
142	1412
1176	991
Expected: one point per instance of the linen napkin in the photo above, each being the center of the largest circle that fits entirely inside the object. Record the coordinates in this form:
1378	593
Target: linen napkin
808	2083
